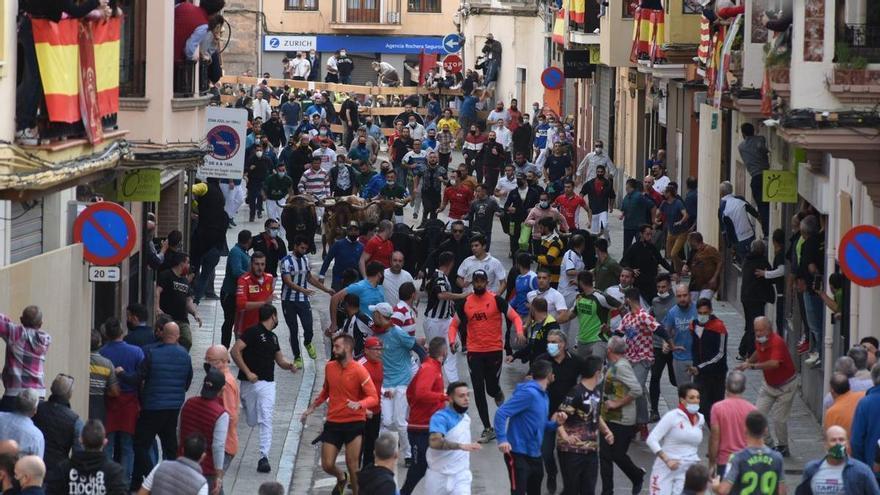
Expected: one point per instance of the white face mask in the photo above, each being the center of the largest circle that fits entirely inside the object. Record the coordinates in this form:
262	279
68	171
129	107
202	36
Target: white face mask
692	408
259	154
761	340
662	295
703	319
341	54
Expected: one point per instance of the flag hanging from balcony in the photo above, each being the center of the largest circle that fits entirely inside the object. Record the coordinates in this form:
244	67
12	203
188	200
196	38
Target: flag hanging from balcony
578	10
58	57
559	27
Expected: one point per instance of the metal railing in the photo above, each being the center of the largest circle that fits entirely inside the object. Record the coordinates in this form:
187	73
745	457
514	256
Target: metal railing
132	79
387	12
863	41
190	78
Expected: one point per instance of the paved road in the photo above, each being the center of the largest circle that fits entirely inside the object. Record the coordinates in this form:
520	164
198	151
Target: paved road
295	460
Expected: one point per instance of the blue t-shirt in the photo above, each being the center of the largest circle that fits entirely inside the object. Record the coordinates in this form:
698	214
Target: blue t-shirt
375	184
396	358
468	109
524	284
444	420
368	294
291	111
541	135
125	355
672	214
678	321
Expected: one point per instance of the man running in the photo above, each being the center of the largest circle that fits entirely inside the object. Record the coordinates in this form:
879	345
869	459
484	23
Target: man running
756	465
450	445
482	261
441	307
350	391
481	317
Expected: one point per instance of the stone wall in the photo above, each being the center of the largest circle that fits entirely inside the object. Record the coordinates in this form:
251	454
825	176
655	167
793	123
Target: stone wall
242	52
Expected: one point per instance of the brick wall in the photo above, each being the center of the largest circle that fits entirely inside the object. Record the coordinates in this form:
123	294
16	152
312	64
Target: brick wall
241	53
170	210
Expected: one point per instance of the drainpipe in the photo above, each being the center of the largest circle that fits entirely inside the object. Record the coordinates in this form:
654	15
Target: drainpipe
259	44
855	290
831	234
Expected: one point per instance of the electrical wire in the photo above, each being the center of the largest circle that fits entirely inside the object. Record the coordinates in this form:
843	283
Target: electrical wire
25	212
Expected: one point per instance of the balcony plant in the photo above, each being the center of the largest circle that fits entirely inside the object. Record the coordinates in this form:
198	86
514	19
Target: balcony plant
850	68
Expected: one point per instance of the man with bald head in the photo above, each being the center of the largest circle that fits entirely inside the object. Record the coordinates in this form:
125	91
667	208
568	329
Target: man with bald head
726	423
393	277
771	356
30	471
217	356
26	348
837	473
166	373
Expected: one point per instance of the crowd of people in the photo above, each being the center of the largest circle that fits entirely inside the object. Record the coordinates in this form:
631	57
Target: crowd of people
596	333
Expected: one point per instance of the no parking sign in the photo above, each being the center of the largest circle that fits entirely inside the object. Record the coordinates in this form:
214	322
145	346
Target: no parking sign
226	135
859	254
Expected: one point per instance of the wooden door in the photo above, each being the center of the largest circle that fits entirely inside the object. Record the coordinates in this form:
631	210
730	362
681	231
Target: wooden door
362	11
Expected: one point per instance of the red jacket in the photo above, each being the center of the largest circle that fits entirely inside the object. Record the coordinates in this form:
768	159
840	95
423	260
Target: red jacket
187	17
425	395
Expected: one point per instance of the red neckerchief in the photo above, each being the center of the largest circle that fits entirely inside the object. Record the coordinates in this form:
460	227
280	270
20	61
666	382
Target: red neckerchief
693	417
271	241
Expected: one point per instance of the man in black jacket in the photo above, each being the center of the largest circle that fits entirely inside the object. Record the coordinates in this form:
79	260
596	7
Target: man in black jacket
709	353
270	243
89	470
520	202
378	478
491	158
274	130
209	239
458	244
522	138
643	257
61	426
256	167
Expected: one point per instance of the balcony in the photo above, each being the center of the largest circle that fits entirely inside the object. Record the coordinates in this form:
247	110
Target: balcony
852	81
367	15
863	41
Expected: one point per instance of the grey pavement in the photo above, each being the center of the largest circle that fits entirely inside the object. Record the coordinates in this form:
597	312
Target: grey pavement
293	452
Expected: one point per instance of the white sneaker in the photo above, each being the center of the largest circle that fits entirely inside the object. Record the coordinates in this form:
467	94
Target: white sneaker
812	359
28	136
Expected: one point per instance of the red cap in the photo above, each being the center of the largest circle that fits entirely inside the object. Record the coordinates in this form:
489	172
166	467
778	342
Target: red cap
373	343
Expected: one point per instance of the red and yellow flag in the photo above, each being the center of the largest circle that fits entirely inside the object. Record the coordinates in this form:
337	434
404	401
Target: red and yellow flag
58	57
578	10
559	27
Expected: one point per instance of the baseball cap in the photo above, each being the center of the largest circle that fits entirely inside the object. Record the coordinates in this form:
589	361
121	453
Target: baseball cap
382	308
354	224
480	274
373	343
214	381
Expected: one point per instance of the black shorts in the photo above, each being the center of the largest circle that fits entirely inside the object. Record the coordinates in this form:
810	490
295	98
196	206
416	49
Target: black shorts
339	434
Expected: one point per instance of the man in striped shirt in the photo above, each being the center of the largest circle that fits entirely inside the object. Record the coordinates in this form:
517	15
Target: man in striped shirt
296	274
405	313
441	308
315	180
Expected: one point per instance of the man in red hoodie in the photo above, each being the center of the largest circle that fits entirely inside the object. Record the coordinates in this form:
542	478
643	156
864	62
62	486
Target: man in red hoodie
425	396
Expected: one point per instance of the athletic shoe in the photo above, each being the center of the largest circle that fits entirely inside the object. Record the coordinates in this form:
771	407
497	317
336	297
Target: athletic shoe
298	362
263	465
740	357
499	399
817	363
803	346
655	416
487	436
812	359
637	486
783	449
339	489
310	348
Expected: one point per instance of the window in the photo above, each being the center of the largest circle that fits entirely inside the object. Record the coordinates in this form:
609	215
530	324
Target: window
133	51
629	8
301	4
432	6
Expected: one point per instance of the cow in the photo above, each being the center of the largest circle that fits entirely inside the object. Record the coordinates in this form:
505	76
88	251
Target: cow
339	212
417	243
299	219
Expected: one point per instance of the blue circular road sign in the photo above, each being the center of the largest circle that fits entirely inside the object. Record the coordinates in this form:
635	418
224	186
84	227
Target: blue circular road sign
452	43
552	78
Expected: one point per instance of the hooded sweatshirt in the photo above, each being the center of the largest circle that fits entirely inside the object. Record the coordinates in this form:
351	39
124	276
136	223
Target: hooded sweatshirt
87	472
709	349
377	480
522	419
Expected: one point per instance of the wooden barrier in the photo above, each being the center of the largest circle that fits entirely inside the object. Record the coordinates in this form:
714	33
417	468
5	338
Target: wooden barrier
347	88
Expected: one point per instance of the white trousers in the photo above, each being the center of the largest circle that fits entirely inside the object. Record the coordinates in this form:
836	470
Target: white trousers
258	404
274	209
702	294
234	199
435	327
449	484
599	223
394	413
571	327
665	481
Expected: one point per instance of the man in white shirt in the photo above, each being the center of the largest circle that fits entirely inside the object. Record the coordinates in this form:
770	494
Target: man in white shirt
572	264
734	212
499	113
300	67
332	70
261	107
395	276
502	134
627	277
506	183
327	156
556	306
416	130
661	180
481	260
586	169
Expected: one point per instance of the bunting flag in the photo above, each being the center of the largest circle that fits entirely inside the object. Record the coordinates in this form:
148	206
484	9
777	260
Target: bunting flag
705	47
578	11
58	57
57	49
559	27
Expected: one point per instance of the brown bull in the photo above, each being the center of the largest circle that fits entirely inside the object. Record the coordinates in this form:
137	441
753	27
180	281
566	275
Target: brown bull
299	219
341	211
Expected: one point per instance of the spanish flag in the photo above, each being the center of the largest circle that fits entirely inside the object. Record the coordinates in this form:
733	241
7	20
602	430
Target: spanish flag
58	56
578	11
559	27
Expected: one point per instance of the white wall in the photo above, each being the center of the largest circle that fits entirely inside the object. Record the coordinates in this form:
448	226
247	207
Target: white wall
522	40
808	79
710	175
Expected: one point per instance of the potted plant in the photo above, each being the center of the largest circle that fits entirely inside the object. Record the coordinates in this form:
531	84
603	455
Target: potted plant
777	60
850	69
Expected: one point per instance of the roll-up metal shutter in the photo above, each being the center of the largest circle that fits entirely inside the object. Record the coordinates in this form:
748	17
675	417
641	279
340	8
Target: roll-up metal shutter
606	104
362	71
27	231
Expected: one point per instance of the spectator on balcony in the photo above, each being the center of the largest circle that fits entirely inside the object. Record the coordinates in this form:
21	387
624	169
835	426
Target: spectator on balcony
345	66
300	67
754	153
387	74
332	75
782	20
191	25
314	64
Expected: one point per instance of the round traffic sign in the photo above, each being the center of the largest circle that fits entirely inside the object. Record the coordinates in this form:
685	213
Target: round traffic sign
859	253
452	43
107	232
224	142
452	63
552	78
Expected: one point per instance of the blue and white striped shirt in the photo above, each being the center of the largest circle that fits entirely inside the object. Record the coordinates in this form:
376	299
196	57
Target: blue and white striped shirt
298	268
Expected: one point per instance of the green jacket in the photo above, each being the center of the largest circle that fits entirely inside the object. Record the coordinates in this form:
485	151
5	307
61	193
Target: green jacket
277	186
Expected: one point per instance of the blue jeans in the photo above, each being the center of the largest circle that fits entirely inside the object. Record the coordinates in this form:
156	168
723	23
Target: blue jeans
206	273
743	247
815	312
126	451
291	310
418	441
345	79
289	131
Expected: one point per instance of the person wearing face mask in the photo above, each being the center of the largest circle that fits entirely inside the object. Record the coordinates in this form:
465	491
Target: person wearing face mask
837	473
644	258
474	141
587	168
416	130
273	129
257	168
270	243
276	187
491	158
675	441
542	128
342	178
344	66
755	462
543	210
519	205
776	394
360	153
709	355
373	130
660	306
450	444
256	353
458	195
540	323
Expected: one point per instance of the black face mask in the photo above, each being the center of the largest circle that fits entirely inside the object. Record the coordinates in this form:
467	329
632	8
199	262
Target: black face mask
479	291
520	183
459	409
353	238
491	140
